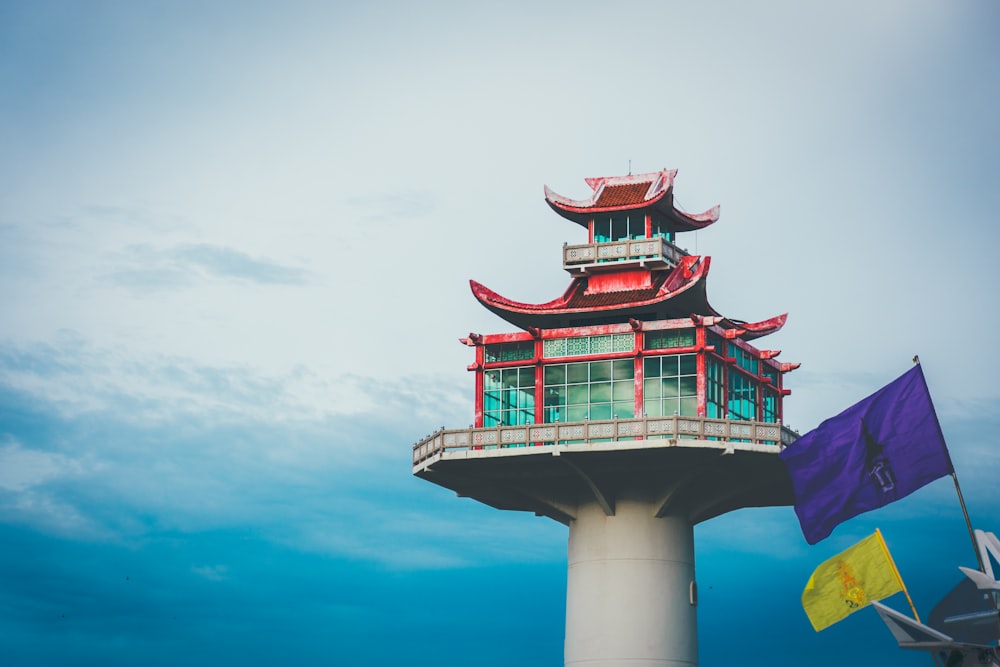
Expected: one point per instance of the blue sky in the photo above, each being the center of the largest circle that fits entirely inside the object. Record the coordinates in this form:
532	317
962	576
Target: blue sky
235	244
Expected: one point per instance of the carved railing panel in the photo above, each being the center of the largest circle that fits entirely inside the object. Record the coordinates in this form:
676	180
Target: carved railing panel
641	428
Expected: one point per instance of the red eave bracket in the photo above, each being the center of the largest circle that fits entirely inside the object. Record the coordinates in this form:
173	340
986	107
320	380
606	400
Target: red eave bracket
769	354
785	367
471	340
733	333
705	320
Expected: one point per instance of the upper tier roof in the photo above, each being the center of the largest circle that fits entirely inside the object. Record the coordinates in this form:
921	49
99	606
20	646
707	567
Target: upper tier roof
652	191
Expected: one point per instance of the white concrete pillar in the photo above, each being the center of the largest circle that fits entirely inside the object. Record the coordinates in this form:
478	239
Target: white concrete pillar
628	599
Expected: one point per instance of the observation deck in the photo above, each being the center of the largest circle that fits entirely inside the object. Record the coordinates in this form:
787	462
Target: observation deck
552	469
655	253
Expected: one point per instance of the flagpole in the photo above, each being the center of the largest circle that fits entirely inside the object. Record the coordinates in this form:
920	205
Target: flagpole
968	523
899	578
954	476
895	570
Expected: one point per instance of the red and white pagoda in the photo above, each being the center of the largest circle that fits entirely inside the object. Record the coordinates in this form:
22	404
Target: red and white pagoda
629	409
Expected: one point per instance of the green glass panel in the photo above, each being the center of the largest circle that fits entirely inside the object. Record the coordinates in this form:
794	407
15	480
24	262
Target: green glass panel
576	413
491	401
600	344
670	407
600	392
554	347
491	380
652	409
668	387
555	396
526	399
600	371
623	390
509	377
669	366
622	369
689	407
526	377
576	347
577	394
490	420
624	342
601	411
689	385
651	367
576	373
554	415
688	364
651	388
624	409
555	374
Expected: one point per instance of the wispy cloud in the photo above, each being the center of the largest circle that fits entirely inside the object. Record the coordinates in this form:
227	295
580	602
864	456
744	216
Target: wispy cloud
143	267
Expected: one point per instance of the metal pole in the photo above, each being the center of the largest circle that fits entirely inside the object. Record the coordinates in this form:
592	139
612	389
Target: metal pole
968	523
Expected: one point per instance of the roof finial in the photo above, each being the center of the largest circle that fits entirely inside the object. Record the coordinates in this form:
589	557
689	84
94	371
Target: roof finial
630	167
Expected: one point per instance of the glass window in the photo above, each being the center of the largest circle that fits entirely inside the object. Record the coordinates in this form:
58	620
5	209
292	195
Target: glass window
670	385
521	351
589	390
670	338
742	400
602	229
583	345
509	396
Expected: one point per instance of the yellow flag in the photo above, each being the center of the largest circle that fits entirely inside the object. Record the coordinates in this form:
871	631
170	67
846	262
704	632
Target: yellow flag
849	581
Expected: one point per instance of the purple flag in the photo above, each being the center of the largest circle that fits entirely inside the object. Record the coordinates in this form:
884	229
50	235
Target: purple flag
871	454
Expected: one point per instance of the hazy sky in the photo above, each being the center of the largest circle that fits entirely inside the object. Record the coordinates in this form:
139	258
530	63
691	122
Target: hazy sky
235	245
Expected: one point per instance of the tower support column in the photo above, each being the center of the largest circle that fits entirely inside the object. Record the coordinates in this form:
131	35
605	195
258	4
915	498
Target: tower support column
629	588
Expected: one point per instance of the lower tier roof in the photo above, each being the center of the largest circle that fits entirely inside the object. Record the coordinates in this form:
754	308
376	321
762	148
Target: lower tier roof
664	295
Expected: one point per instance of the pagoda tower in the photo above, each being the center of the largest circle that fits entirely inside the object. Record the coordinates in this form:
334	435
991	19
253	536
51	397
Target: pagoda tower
627	409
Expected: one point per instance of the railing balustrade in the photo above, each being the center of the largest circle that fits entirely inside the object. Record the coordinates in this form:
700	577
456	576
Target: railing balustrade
651	251
614	430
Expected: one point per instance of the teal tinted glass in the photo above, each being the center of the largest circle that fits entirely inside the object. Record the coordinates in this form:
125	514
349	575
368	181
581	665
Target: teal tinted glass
622	369
600	371
668	387
651	388
602	411
555	374
600	392
577	394
688	364
624	409
576	373
623	390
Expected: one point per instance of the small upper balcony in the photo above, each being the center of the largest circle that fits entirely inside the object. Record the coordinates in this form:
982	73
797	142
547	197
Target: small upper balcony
654	253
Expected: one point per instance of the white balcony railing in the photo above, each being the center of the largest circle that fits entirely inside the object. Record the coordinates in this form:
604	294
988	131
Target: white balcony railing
655	252
642	428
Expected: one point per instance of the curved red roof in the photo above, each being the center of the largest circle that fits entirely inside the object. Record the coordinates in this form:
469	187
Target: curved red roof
653	191
669	295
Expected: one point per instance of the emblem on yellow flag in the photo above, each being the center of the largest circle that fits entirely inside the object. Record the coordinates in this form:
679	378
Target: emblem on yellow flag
849	581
